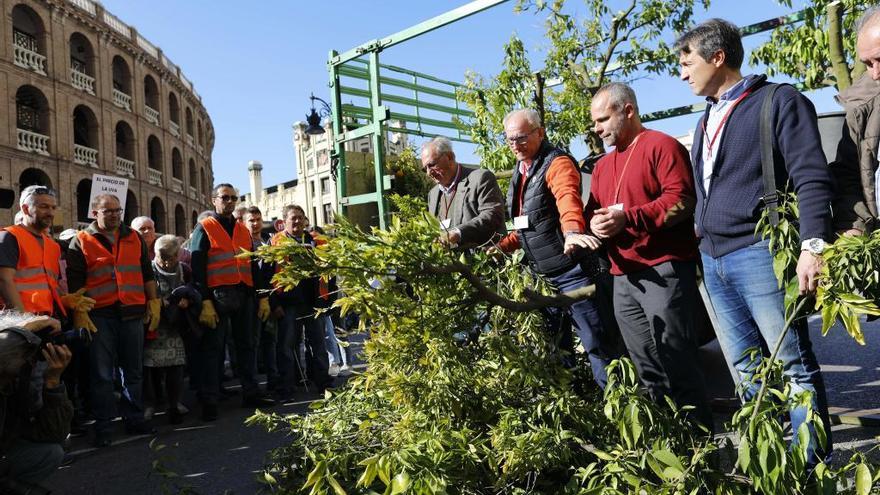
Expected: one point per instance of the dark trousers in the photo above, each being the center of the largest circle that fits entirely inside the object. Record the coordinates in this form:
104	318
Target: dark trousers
117	343
241	326
298	327
585	317
267	356
654	309
207	363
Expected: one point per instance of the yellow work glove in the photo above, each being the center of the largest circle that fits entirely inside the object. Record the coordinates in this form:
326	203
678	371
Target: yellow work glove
154	313
208	317
263	310
81	320
78	301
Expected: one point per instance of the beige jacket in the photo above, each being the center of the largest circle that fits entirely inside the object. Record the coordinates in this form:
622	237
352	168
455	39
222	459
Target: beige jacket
854	167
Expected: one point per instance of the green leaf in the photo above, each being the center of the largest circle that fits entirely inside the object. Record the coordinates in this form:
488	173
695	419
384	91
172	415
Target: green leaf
863	479
745	454
400	483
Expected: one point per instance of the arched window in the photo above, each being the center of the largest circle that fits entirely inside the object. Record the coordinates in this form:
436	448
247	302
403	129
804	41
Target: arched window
179	221
28	39
125	146
151	99
83	194
121	83
174	114
32	120
154	161
131	207
82	63
157	213
85	137
176	164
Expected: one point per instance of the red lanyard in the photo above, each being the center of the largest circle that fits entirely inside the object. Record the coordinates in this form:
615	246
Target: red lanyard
631	150
710	143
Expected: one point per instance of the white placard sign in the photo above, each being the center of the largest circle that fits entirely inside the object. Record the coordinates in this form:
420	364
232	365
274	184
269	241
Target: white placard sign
108	184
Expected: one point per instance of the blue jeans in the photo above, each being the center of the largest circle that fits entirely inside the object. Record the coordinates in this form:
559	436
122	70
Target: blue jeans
750	309
586	322
299	327
117	343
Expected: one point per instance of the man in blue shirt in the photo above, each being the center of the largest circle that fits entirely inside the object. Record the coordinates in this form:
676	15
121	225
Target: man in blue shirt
730	194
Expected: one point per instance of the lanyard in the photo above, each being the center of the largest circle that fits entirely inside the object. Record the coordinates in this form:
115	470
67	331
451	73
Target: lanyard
447	203
710	143
631	150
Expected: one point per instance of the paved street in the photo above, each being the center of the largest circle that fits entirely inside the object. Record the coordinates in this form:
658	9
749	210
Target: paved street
225	456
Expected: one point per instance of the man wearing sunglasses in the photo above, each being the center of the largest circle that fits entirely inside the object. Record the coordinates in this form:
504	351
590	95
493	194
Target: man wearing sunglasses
467	201
30	260
544	201
229	286
110	261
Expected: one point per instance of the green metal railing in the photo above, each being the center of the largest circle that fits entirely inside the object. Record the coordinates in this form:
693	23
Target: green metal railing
425	105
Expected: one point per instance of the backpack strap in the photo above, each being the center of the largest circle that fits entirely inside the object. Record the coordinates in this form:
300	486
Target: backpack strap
768	169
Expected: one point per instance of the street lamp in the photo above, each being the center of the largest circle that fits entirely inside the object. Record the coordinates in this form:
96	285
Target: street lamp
314	118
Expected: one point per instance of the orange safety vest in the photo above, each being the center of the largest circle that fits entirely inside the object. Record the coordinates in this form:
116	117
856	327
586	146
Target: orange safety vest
223	266
37	272
113	276
323	289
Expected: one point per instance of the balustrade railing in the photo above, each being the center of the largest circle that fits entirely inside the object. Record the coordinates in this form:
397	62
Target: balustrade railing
121	99
174	129
29	59
124	167
84	155
152	114
82	81
33	142
154	176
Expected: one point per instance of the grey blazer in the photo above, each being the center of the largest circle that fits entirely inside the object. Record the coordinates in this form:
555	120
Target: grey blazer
476	208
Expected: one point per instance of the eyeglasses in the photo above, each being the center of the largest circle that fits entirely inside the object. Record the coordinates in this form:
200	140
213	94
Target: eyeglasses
227	198
521	139
111	211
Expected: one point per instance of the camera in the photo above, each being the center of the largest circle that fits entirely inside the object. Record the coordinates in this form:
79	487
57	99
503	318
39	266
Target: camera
69	338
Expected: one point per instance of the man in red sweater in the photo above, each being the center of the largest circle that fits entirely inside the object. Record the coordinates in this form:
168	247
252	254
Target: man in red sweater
641	206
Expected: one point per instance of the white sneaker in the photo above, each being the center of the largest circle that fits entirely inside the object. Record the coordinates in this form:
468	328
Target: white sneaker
333	370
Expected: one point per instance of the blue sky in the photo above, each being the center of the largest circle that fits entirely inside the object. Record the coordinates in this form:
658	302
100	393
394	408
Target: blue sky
255	63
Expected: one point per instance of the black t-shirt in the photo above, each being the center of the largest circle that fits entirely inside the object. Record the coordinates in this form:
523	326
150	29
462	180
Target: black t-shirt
9	248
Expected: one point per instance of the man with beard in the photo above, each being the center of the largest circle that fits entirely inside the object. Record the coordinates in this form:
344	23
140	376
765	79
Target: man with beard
30	260
641	206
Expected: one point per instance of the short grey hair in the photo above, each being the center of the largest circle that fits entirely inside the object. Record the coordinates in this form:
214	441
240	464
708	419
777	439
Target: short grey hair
18	219
439	144
166	246
531	116
140	221
869	17
28	193
619	94
101	197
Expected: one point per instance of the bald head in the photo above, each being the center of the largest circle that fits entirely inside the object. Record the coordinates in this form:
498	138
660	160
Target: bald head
868	41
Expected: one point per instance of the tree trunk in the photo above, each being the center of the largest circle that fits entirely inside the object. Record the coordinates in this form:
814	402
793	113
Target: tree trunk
836	55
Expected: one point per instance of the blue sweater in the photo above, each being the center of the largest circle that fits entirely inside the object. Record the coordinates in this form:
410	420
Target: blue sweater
727	214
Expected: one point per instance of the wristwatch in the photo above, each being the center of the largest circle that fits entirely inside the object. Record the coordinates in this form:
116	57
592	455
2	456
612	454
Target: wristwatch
815	246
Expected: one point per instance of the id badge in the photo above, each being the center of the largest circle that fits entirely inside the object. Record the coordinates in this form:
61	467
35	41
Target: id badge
445	224
618	207
521	222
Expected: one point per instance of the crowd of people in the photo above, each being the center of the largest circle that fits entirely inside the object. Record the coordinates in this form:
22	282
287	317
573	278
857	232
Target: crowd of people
124	315
657	218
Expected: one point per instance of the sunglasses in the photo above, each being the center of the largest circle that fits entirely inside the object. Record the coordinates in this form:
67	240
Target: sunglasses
227	198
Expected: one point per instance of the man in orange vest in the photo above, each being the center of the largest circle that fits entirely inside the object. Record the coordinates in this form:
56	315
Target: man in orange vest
110	261
231	302
30	261
295	311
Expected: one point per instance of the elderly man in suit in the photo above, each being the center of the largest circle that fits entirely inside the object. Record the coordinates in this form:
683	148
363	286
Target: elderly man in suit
467	201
